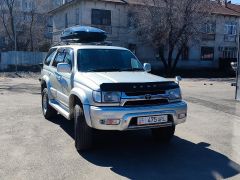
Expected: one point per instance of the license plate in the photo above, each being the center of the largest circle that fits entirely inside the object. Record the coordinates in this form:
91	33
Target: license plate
152	120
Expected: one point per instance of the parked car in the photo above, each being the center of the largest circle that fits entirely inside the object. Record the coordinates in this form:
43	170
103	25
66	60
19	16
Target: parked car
107	88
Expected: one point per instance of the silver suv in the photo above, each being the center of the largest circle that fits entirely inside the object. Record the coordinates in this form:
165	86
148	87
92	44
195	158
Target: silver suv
107	88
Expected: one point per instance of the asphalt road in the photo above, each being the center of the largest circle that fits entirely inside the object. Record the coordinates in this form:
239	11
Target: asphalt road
207	146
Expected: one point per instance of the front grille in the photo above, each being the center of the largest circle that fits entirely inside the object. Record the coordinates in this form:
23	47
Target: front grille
140	93
146	102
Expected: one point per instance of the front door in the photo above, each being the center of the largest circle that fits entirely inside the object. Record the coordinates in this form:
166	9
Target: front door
66	78
55	77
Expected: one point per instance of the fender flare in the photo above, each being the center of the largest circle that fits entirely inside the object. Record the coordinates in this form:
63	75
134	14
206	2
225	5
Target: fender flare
46	79
81	95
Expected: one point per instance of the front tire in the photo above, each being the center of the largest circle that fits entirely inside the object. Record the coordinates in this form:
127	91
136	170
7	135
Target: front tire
48	111
83	133
164	134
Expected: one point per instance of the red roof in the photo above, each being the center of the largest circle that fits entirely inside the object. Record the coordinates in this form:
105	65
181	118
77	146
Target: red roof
228	9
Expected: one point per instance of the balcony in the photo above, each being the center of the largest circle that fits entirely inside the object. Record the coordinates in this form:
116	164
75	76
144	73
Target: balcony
230	38
208	37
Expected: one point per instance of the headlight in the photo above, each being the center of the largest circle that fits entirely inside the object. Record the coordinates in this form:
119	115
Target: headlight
106	97
174	94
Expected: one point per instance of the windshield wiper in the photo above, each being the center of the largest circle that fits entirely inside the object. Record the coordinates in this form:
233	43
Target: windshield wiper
132	69
114	70
104	70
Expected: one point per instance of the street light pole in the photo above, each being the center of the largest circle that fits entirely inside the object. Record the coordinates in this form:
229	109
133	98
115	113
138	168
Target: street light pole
238	61
15	43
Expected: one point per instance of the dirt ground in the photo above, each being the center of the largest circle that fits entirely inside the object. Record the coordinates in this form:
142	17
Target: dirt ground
207	146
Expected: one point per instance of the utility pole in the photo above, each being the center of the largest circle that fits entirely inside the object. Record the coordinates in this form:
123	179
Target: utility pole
238	61
15	44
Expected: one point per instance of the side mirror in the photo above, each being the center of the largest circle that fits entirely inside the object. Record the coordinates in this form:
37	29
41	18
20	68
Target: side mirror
147	67
63	68
178	79
40	65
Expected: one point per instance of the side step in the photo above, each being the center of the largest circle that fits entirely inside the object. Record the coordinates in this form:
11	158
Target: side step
59	109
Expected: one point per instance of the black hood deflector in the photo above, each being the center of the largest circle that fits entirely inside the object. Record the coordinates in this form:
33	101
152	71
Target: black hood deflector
135	87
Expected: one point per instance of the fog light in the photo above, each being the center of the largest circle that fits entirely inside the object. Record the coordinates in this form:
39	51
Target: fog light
181	116
110	121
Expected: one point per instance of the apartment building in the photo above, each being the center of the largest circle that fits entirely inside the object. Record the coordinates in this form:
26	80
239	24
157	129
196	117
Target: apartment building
219	37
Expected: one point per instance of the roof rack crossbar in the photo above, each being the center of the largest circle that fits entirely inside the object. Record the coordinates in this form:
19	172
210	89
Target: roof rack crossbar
106	43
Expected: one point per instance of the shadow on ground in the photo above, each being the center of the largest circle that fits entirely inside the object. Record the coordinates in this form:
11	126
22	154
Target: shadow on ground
133	154
20	88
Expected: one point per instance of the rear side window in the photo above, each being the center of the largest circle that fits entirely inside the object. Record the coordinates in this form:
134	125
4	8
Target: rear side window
50	56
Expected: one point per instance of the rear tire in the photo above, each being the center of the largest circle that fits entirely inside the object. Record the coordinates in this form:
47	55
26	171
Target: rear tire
48	111
164	134
83	133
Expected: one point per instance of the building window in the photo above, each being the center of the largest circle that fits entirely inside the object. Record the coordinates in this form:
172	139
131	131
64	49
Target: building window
230	32
66	20
207	53
77	16
101	17
229	52
209	28
209	31
185	53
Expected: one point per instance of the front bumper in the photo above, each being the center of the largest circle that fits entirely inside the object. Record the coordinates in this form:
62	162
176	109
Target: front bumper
127	114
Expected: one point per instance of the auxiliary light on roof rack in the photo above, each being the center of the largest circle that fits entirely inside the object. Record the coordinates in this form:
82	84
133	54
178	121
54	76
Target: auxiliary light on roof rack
83	34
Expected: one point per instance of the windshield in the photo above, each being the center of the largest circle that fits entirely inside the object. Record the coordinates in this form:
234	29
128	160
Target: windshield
100	60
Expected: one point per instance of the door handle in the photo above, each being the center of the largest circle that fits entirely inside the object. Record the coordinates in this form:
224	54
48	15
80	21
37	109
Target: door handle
58	76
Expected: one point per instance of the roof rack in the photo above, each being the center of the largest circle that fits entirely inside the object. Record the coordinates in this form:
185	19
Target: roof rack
105	43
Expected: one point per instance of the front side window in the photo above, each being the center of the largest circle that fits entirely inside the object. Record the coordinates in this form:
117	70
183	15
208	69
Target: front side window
207	53
50	56
58	59
68	58
109	60
101	17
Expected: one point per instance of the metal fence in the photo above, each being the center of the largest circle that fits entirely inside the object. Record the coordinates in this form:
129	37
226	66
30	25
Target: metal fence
16	59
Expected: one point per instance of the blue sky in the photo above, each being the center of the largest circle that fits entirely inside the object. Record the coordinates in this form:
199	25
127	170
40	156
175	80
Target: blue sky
236	1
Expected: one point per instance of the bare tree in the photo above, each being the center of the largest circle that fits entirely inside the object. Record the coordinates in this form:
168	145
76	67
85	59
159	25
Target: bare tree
7	14
171	24
25	26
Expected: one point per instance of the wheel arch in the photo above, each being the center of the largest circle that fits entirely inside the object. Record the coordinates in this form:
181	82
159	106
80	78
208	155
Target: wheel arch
79	97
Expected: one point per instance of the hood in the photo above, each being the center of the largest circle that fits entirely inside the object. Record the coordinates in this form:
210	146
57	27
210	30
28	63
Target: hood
122	77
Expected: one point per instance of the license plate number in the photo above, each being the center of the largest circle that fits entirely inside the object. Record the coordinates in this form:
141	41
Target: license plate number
152	120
